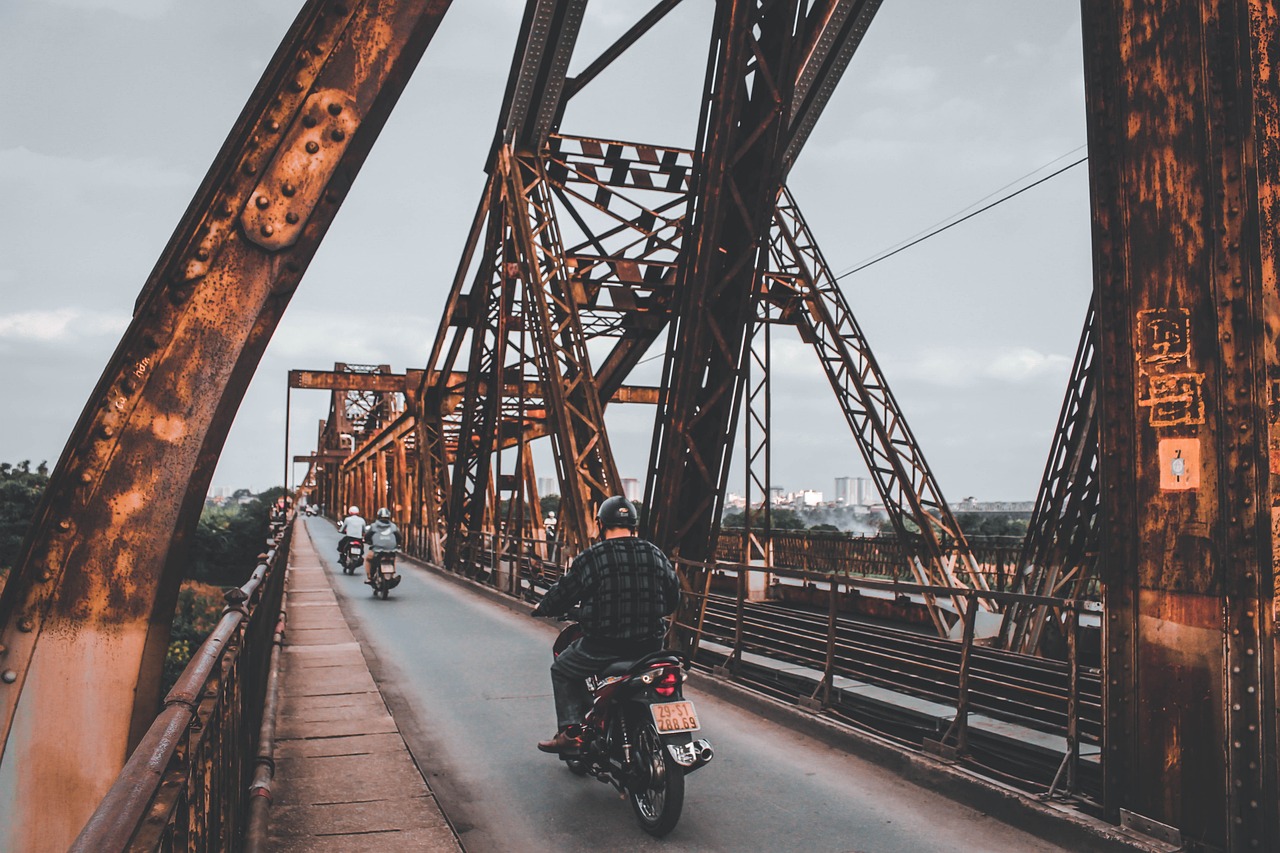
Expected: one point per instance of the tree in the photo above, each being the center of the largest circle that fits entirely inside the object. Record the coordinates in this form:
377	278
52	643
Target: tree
20	491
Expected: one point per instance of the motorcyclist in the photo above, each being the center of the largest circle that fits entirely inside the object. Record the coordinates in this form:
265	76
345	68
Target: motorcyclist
625	586
351	527
382	536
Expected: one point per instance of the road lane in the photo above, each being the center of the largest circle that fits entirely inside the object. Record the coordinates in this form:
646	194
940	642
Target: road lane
467	680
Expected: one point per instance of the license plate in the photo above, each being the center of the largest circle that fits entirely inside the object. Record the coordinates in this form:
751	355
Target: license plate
672	717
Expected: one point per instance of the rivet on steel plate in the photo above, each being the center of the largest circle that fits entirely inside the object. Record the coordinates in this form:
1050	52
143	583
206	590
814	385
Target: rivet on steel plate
202	254
267	230
291	218
288	189
337	135
312	147
335	109
295	86
86	477
64	524
25	625
107	431
262	202
224	210
46	575
9	676
309	121
273	126
248	168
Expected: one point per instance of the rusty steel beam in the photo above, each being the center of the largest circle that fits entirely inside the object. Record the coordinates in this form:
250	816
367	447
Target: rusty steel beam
336	380
747	100
1059	555
805	288
834	30
94	589
541	62
580	443
1184	160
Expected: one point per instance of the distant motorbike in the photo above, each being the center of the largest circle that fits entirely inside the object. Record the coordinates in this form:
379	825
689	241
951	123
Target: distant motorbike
382	576
639	734
352	556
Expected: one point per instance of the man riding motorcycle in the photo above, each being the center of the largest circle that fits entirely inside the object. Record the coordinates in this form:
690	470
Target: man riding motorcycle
382	536
625	586
351	527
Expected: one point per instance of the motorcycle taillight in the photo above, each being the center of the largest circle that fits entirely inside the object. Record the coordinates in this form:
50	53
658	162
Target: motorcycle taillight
667	684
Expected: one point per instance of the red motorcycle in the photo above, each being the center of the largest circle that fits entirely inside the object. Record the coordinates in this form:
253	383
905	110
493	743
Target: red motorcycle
639	734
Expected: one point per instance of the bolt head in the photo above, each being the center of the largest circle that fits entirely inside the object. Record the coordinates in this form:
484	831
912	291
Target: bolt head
9	676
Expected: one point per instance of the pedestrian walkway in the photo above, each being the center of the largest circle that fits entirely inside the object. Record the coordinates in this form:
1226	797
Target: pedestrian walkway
344	780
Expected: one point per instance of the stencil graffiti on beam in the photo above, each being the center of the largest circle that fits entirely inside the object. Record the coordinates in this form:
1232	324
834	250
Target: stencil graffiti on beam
1171	391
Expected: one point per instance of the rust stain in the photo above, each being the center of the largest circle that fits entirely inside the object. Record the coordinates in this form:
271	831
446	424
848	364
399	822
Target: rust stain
169	428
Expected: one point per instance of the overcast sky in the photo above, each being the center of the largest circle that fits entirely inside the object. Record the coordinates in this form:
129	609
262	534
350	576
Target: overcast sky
114	110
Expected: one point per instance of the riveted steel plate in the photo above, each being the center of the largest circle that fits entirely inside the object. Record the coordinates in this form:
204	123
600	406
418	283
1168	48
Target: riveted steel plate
295	181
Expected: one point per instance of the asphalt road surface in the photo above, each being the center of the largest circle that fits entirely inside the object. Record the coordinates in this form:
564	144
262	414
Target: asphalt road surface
467	680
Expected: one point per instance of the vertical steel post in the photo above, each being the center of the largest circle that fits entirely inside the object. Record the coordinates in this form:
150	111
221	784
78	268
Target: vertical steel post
1184	141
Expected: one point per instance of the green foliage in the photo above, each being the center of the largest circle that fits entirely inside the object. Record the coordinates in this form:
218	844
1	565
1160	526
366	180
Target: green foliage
780	519
549	504
20	491
228	540
199	608
825	528
986	525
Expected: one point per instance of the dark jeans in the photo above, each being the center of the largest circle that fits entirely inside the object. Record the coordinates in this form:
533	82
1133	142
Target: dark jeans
571	668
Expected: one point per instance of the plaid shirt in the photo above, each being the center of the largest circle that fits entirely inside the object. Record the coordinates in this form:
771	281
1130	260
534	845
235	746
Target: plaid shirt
625	586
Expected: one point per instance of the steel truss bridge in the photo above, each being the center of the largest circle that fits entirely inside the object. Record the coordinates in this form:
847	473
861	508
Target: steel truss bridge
587	253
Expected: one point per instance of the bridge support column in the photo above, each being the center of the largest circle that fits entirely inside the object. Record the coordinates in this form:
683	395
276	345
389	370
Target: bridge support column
1183	142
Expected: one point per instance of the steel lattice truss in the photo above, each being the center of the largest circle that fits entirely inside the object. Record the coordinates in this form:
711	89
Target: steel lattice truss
1060	553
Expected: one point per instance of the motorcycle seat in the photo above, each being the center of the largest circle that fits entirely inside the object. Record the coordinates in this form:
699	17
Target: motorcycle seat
624	667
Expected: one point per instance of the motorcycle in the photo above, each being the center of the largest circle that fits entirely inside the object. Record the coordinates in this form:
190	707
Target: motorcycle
352	557
639	734
382	576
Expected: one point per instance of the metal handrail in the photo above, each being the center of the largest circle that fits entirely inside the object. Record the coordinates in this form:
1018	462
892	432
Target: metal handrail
200	733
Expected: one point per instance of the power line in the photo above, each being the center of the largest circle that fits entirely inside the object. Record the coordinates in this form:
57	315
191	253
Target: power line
938	231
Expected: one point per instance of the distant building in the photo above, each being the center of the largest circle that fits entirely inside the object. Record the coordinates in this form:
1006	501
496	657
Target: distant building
865	491
548	486
808	497
844	491
631	488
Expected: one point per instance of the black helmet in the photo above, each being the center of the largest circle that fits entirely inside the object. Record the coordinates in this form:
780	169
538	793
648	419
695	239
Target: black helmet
384	514
617	511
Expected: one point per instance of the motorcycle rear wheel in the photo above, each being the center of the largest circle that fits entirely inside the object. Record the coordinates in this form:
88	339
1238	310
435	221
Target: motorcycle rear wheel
657	796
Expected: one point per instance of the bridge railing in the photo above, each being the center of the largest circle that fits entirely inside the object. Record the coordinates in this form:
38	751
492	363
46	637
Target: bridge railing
811	650
186	784
881	557
733	636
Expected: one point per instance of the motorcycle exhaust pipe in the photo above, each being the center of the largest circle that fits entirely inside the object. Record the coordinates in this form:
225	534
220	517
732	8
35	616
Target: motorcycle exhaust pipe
703	751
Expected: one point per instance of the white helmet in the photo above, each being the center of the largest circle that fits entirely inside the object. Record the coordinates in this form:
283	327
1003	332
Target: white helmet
355	510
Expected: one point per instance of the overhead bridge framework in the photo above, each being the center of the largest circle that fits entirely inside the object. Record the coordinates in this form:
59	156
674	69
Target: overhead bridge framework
588	255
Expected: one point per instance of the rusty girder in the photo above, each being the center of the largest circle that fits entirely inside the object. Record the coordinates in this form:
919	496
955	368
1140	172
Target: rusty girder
741	138
1059	556
921	518
580	444
95	586
1184	161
